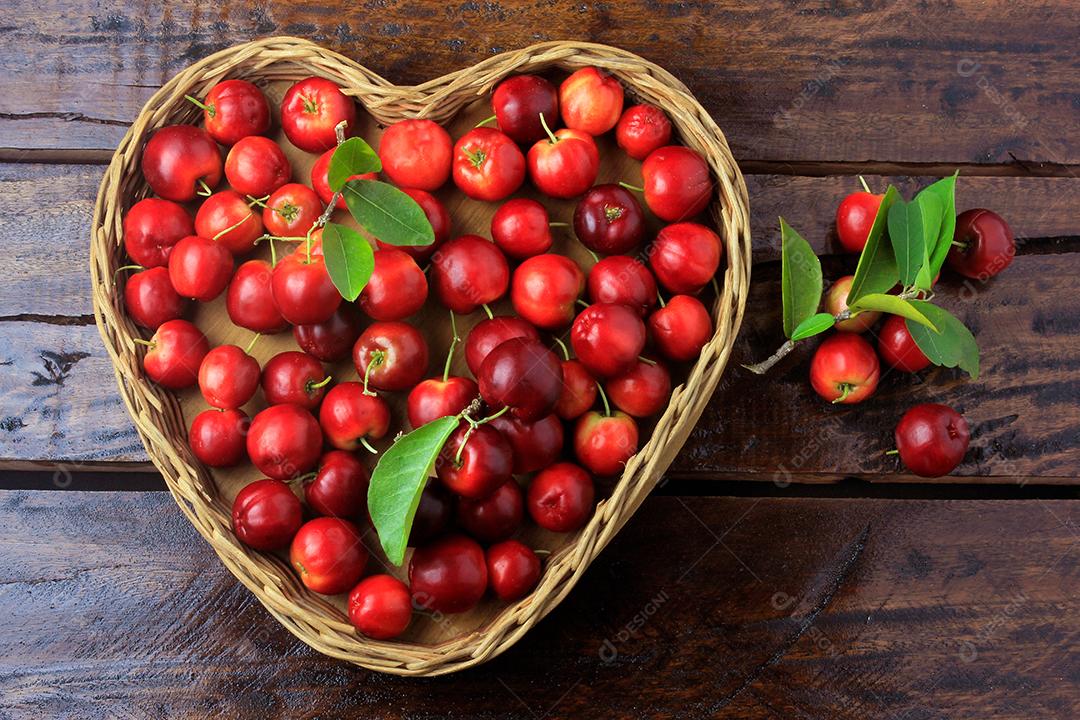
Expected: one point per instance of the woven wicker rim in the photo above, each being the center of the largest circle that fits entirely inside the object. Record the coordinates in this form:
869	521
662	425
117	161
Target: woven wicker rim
157	413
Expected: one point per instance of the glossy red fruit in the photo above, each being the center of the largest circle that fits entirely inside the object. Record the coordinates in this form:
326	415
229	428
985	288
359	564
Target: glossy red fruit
521	228
328	554
302	289
200	268
348	417
642	129
603	443
854	218
320	182
178	160
398	352
561	497
986	244
397	288
564	164
294	378
340	487
250	299
257	166
487	164
175	353
217	437
152	227
291	211
284	441
495	516
685	257
535	445
474	464
518	103
380	607
622	280
416	154
235	109
228	377
433	514
150	298
227	219
591	101
607	338
836	303
310	111
898	349
468	272
609	220
449	575
681	328
642	391
523	375
677	183
932	439
266	515
333	339
488	334
435	398
845	369
439	218
545	290
578	392
513	570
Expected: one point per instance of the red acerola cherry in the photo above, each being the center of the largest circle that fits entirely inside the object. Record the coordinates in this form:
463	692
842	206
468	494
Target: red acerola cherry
488	334
150	298
302	289
152	227
495	516
349	418
468	272
623	280
250	299
932	439
320	182
545	290
518	103
521	228
435	398
175	353
397	288
340	487
266	515
291	211
416	154
677	183
607	338
642	129
397	353
333	339
487	164
284	441
854	218
380	607
513	570
565	164
845	369
226	218
439	218
609	220
329	555
178	160
310	111
200	268
561	498
836	303
217	437
685	257
235	109
590	101
295	378
475	462
681	328
228	377
642	391
522	375
257	166
449	575
578	392
603	443
535	445
898	349
983	244
433	514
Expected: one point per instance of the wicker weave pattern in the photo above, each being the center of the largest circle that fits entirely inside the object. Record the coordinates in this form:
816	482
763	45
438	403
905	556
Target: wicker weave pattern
162	427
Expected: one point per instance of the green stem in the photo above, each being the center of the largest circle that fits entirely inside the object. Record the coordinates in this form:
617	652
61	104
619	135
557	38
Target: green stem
251	344
258	202
147	343
635	188
558	224
603	397
845	390
582	303
491	315
125	267
453	344
489	418
316	385
485	121
647	361
892	452
661	299
205	190
464	439
366	444
551	135
377	358
229	229
763	367
864	185
201	105
565	350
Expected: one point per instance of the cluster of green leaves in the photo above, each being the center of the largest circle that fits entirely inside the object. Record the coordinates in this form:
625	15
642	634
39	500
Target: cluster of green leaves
906	246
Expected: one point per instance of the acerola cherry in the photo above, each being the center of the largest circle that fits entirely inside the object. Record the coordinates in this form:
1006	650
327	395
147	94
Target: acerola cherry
523	375
340	487
898	348
266	515
380	607
844	369
983	244
302	289
488	334
535	445
642	129
228	377
178	160
513	570
329	555
564	165
333	339
578	392
681	328
487	164
150	298
449	575
590	101
257	166
416	154
677	183
320	182
284	441
518	103
685	257
932	439
200	268
217	437
854	218
435	398
494	517
292	210
603	443
622	280
439	218
609	220
475	461
349	418
397	288
250	299
642	391
836	303
561	497
545	290
468	272
176	350
433	514
310	111
235	109
607	338
396	352
226	218
295	378
521	228
152	227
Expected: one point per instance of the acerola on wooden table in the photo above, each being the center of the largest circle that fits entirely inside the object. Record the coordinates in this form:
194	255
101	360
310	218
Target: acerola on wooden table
898	349
622	280
932	439
435	398
488	334
603	442
292	211
836	303
578	391
522	375
685	257
845	369
397	288
565	164
302	289
521	228
983	244
607	338
642	391
854	218
333	339
535	444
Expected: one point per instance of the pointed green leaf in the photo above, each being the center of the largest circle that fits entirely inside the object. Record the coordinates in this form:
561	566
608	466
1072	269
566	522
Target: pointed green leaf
952	345
349	259
387	213
352	157
932	210
813	325
908	242
945	191
876	272
800	278
894	305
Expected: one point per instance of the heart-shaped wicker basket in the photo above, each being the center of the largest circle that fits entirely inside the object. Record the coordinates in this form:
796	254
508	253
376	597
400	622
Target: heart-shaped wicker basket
158	414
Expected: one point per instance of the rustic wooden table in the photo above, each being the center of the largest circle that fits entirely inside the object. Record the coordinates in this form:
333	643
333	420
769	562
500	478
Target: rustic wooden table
784	570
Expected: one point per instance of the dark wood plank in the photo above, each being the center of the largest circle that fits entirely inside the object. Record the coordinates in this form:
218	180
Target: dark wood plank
956	76
112	605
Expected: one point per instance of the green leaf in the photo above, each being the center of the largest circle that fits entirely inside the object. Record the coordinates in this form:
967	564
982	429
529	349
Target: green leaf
800	278
952	345
945	191
908	242
398	481
387	213
813	325
876	272
933	211
349	259
894	305
352	157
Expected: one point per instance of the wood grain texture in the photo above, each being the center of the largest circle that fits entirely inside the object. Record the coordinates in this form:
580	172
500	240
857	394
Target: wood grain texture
702	607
